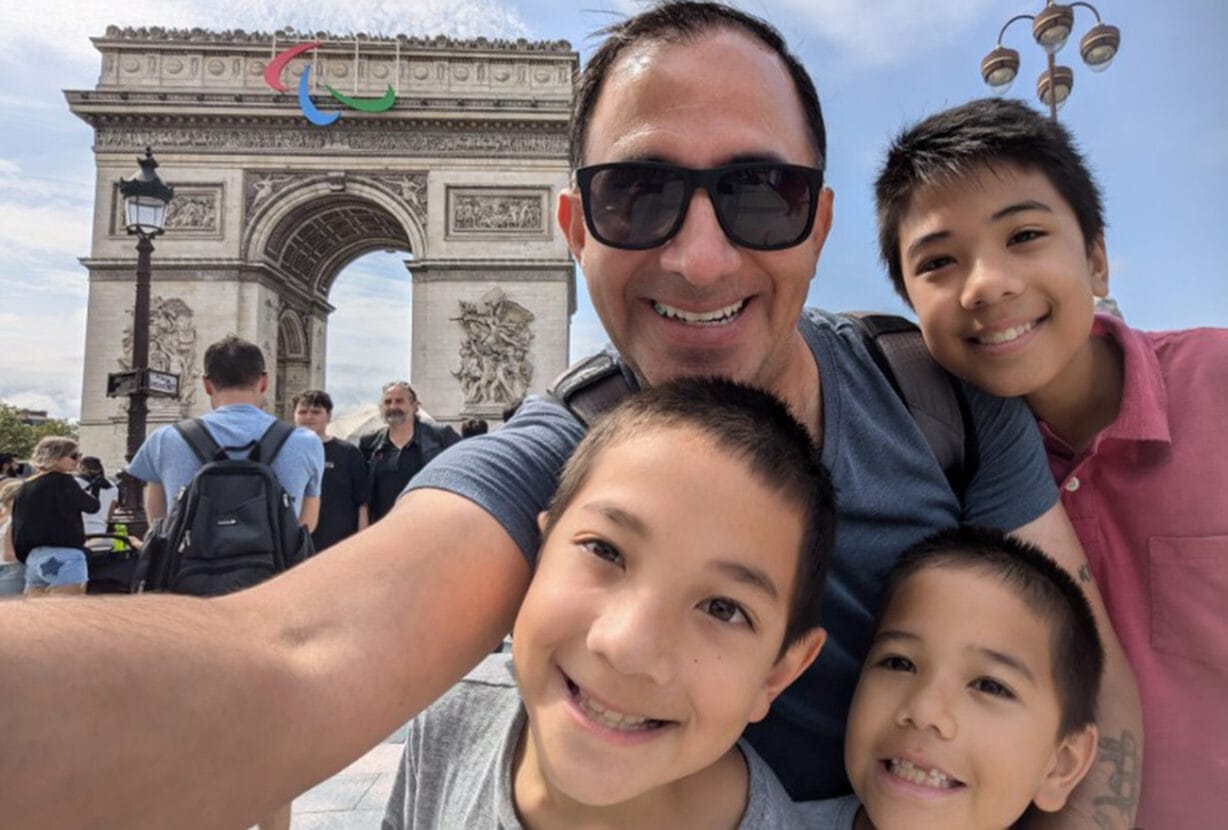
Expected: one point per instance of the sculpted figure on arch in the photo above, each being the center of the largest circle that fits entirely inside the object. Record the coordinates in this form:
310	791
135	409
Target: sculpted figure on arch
698	216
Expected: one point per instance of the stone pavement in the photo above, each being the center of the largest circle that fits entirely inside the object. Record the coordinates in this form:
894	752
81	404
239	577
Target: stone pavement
354	798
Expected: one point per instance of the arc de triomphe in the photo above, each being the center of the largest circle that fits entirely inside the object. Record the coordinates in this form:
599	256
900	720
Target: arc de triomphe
461	173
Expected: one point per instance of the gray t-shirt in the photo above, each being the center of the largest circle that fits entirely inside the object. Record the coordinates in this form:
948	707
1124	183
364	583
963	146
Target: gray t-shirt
891	492
457	767
165	458
830	814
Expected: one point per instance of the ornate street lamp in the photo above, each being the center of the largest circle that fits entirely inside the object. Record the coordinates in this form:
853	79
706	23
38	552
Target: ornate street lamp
1051	28
145	199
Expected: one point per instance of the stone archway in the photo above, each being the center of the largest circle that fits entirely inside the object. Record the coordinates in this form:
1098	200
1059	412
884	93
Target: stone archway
462	173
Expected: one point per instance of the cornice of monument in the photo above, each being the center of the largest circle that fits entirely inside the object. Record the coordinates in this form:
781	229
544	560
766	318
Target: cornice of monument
233	37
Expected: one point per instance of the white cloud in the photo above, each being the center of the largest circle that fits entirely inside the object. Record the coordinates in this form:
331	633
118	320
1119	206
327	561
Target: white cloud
43	371
893	33
40	233
65	33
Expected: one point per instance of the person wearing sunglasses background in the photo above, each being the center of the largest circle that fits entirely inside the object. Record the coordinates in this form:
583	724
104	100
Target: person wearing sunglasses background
48	530
686	98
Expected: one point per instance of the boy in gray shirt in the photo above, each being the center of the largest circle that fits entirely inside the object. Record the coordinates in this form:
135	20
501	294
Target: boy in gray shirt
675	596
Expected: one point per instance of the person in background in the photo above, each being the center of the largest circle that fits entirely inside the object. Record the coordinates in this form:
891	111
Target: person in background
12	572
8	465
93	480
48	534
397	452
343	493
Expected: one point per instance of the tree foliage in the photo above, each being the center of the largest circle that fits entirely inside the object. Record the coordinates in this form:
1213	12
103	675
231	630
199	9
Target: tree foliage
18	437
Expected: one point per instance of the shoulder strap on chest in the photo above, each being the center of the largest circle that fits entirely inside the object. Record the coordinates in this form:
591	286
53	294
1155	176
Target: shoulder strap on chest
199	440
272	441
590	386
936	401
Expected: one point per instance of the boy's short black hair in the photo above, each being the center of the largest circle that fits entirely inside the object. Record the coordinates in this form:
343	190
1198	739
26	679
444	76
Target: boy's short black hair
752	426
314	397
234	363
962	141
681	21
1044	586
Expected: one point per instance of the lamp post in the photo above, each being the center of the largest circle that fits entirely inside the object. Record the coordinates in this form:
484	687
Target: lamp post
1051	29
145	199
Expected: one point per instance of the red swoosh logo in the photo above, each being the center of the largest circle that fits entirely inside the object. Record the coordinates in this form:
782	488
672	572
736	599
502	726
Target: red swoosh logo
272	72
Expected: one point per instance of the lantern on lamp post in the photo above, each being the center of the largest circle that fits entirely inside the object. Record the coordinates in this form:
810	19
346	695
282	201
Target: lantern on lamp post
1051	29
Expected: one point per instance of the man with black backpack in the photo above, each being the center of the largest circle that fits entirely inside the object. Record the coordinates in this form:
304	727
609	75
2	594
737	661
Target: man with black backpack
236	490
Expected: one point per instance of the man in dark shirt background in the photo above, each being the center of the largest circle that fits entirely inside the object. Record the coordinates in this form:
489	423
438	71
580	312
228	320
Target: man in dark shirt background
397	452
343	493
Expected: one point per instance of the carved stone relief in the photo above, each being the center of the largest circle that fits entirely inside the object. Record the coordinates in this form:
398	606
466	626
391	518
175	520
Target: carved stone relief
261	185
194	210
172	348
410	142
483	212
494	353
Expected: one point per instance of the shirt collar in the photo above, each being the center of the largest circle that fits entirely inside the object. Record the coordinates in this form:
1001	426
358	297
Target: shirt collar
1144	399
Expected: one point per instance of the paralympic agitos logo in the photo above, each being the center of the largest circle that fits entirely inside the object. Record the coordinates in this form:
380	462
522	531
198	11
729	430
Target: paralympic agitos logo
272	77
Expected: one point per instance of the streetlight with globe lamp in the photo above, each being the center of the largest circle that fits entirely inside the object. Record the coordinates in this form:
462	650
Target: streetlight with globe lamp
145	199
1051	29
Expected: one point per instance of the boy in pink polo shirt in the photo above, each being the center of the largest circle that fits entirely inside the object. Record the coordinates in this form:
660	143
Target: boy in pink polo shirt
992	230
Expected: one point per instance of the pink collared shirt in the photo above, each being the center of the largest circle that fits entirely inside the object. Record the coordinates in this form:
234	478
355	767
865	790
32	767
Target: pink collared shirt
1149	500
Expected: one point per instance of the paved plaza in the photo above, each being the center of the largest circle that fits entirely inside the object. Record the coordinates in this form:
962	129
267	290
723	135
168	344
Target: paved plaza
354	798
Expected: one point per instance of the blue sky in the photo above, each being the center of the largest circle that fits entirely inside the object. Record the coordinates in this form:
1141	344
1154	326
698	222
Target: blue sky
1154	126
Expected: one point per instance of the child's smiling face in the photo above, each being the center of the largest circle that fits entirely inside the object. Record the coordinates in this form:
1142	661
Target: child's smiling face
650	634
1001	278
956	719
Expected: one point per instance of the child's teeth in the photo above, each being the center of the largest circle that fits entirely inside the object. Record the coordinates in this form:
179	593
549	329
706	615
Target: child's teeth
1006	336
611	719
914	774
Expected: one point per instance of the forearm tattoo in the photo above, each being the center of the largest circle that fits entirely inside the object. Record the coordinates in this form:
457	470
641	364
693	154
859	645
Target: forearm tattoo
1085	573
1122	754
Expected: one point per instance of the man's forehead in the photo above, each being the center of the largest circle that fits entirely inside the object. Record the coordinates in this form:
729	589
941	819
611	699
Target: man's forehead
662	97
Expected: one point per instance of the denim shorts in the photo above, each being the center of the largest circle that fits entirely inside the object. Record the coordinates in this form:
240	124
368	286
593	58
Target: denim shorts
12	579
48	567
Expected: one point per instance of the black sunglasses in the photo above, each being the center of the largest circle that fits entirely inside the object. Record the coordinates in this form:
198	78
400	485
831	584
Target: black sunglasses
635	205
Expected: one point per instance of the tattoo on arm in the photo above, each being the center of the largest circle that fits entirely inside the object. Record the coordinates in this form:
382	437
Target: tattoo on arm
1122	754
1085	573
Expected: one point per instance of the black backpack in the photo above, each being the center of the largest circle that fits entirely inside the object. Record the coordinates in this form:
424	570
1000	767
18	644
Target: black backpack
936	401
233	526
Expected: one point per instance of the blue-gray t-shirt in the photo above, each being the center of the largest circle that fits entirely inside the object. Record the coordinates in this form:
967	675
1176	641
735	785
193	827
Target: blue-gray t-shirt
891	493
165	458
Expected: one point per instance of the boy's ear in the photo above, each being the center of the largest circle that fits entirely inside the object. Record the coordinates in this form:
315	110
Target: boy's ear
796	659
1072	760
1098	260
541	521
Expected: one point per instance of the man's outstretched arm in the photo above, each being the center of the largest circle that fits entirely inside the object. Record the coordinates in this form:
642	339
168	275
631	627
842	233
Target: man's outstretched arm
160	711
1108	797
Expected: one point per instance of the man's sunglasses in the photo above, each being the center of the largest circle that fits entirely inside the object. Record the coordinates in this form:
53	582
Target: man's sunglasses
635	205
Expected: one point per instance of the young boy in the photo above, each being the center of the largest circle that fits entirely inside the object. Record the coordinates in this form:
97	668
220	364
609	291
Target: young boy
977	697
677	593
992	229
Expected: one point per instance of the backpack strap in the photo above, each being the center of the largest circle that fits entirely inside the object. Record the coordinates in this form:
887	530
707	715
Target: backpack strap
271	442
198	438
933	397
590	386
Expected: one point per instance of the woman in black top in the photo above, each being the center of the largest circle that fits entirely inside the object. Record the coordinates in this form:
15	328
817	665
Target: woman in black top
48	534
